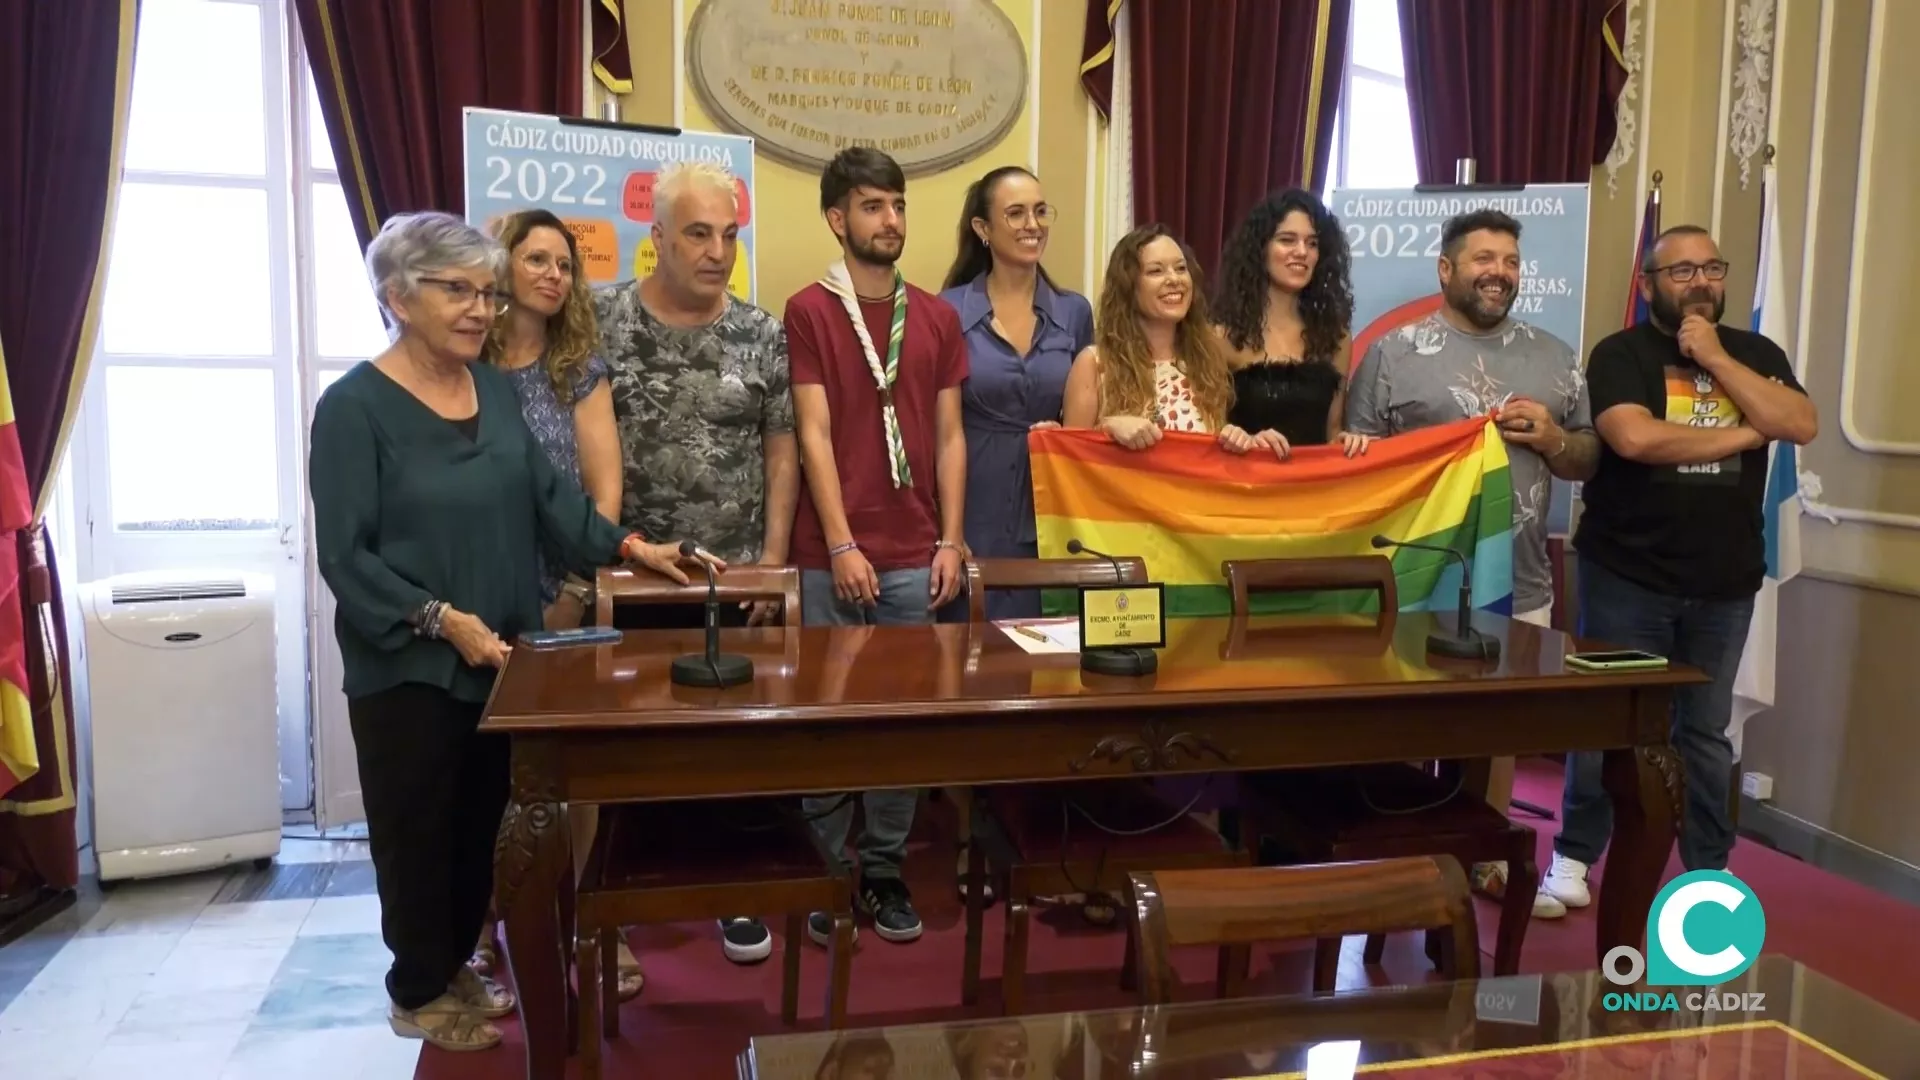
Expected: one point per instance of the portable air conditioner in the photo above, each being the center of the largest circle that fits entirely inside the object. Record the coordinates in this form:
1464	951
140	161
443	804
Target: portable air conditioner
186	746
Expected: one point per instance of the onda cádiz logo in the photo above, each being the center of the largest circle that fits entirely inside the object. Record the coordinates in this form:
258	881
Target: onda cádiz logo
1706	928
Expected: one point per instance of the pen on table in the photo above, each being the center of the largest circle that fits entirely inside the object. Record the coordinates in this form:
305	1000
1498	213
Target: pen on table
1030	632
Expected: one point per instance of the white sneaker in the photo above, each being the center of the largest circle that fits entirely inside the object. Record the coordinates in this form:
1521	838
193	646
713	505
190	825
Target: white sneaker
1491	878
1566	881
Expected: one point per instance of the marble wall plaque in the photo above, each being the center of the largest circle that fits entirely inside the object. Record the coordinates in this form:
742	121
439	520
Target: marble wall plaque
933	83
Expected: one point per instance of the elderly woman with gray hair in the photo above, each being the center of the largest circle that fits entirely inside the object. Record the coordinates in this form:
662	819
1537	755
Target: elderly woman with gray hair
432	502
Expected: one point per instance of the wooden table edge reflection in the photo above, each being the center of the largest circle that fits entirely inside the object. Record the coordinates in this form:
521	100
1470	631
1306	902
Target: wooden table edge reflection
1438	1025
838	709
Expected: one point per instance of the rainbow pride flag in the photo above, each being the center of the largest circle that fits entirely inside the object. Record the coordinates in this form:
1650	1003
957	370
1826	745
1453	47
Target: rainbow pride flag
1186	506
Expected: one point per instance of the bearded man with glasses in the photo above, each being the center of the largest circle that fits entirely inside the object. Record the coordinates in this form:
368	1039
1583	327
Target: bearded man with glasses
1670	539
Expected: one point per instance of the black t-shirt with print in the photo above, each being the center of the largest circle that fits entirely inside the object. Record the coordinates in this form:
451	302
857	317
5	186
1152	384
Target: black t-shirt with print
1691	531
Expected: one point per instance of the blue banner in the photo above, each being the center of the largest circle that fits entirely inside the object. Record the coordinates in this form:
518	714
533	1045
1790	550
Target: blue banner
598	178
1395	237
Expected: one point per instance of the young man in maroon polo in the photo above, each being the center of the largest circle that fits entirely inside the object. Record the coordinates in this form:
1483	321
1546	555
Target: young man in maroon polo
876	367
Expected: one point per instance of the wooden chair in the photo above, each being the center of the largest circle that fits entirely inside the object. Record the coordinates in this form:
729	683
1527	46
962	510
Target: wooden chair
1233	909
1037	840
984	575
1377	811
616	586
706	859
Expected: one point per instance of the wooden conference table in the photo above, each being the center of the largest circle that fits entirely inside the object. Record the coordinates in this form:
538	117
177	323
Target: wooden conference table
1529	1027
847	708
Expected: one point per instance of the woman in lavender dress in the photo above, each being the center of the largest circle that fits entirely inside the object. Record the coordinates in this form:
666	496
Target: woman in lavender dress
544	342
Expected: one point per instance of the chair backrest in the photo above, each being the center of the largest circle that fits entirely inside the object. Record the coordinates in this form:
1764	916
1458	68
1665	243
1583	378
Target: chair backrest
1244	905
618	585
1370	572
985	574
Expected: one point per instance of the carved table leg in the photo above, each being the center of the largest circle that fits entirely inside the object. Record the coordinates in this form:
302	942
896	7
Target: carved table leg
531	862
1644	784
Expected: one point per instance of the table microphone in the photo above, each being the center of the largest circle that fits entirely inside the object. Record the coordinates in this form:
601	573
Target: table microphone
1123	660
1465	643
712	669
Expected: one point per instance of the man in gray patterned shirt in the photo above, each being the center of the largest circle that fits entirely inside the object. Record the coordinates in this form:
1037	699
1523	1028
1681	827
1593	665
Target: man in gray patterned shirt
1470	359
704	411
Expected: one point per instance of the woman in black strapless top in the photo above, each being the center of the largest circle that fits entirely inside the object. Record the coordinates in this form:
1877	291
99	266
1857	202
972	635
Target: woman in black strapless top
1284	292
1296	398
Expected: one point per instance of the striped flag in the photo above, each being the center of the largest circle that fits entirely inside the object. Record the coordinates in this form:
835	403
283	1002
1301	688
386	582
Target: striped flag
19	756
1780	508
1186	506
1649	229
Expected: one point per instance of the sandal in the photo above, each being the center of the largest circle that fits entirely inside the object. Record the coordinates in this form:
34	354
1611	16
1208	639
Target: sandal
1099	910
960	876
628	979
486	957
444	1022
481	994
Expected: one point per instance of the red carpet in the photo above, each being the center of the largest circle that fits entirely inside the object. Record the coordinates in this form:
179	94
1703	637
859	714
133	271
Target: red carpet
698	1011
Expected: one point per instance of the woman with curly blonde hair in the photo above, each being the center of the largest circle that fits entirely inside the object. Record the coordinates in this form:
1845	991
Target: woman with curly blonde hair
1156	363
545	343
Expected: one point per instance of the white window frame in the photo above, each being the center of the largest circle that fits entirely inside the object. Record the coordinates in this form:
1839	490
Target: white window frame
94	489
287	184
1343	122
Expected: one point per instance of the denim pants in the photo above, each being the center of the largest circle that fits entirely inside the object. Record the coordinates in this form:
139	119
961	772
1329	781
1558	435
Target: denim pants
1706	634
882	846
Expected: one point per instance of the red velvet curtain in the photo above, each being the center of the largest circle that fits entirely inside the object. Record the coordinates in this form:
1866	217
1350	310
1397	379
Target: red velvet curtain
612	63
1096	53
394	75
1524	87
1222	93
65	70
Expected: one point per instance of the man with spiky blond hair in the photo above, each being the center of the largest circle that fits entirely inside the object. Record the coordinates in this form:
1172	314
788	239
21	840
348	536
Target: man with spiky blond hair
705	414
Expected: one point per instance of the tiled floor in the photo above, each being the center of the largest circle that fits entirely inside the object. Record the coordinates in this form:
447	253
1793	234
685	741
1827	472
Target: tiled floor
234	975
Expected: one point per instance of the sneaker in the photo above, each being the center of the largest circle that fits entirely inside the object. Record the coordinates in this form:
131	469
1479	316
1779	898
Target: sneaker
1490	878
820	929
1566	881
890	905
745	940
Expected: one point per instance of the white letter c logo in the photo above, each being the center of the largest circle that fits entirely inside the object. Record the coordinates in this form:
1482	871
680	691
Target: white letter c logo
1673	935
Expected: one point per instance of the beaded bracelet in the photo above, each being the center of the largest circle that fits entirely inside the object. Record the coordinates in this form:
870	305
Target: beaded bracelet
842	549
426	624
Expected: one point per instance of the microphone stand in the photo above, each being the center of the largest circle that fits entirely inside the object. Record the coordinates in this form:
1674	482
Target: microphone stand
712	669
1122	661
1465	642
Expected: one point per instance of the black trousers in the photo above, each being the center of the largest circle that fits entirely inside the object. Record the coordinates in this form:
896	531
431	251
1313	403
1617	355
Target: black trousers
435	790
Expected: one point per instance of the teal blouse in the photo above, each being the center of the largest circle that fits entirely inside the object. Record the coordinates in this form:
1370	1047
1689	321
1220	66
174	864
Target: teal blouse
410	508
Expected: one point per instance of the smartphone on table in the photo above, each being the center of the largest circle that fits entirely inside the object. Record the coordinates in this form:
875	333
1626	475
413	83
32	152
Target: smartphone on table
1615	660
558	639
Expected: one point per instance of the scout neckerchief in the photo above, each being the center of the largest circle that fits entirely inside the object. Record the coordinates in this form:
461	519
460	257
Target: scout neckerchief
840	283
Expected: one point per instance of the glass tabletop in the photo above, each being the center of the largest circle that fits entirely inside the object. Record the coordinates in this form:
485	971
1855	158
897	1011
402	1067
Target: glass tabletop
1777	1021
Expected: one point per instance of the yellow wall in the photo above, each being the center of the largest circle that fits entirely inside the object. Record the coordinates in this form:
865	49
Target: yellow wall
1050	138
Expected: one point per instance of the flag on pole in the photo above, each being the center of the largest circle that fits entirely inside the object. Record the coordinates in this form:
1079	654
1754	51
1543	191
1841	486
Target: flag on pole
1780	507
19	756
1649	229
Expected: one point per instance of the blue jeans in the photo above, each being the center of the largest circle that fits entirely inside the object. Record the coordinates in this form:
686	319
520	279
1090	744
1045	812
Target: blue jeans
882	846
1706	634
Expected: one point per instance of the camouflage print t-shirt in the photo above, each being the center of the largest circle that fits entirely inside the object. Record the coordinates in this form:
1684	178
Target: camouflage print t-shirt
692	406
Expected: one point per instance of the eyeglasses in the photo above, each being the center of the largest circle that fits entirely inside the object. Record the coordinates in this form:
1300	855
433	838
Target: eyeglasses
465	293
539	262
1021	216
1682	273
